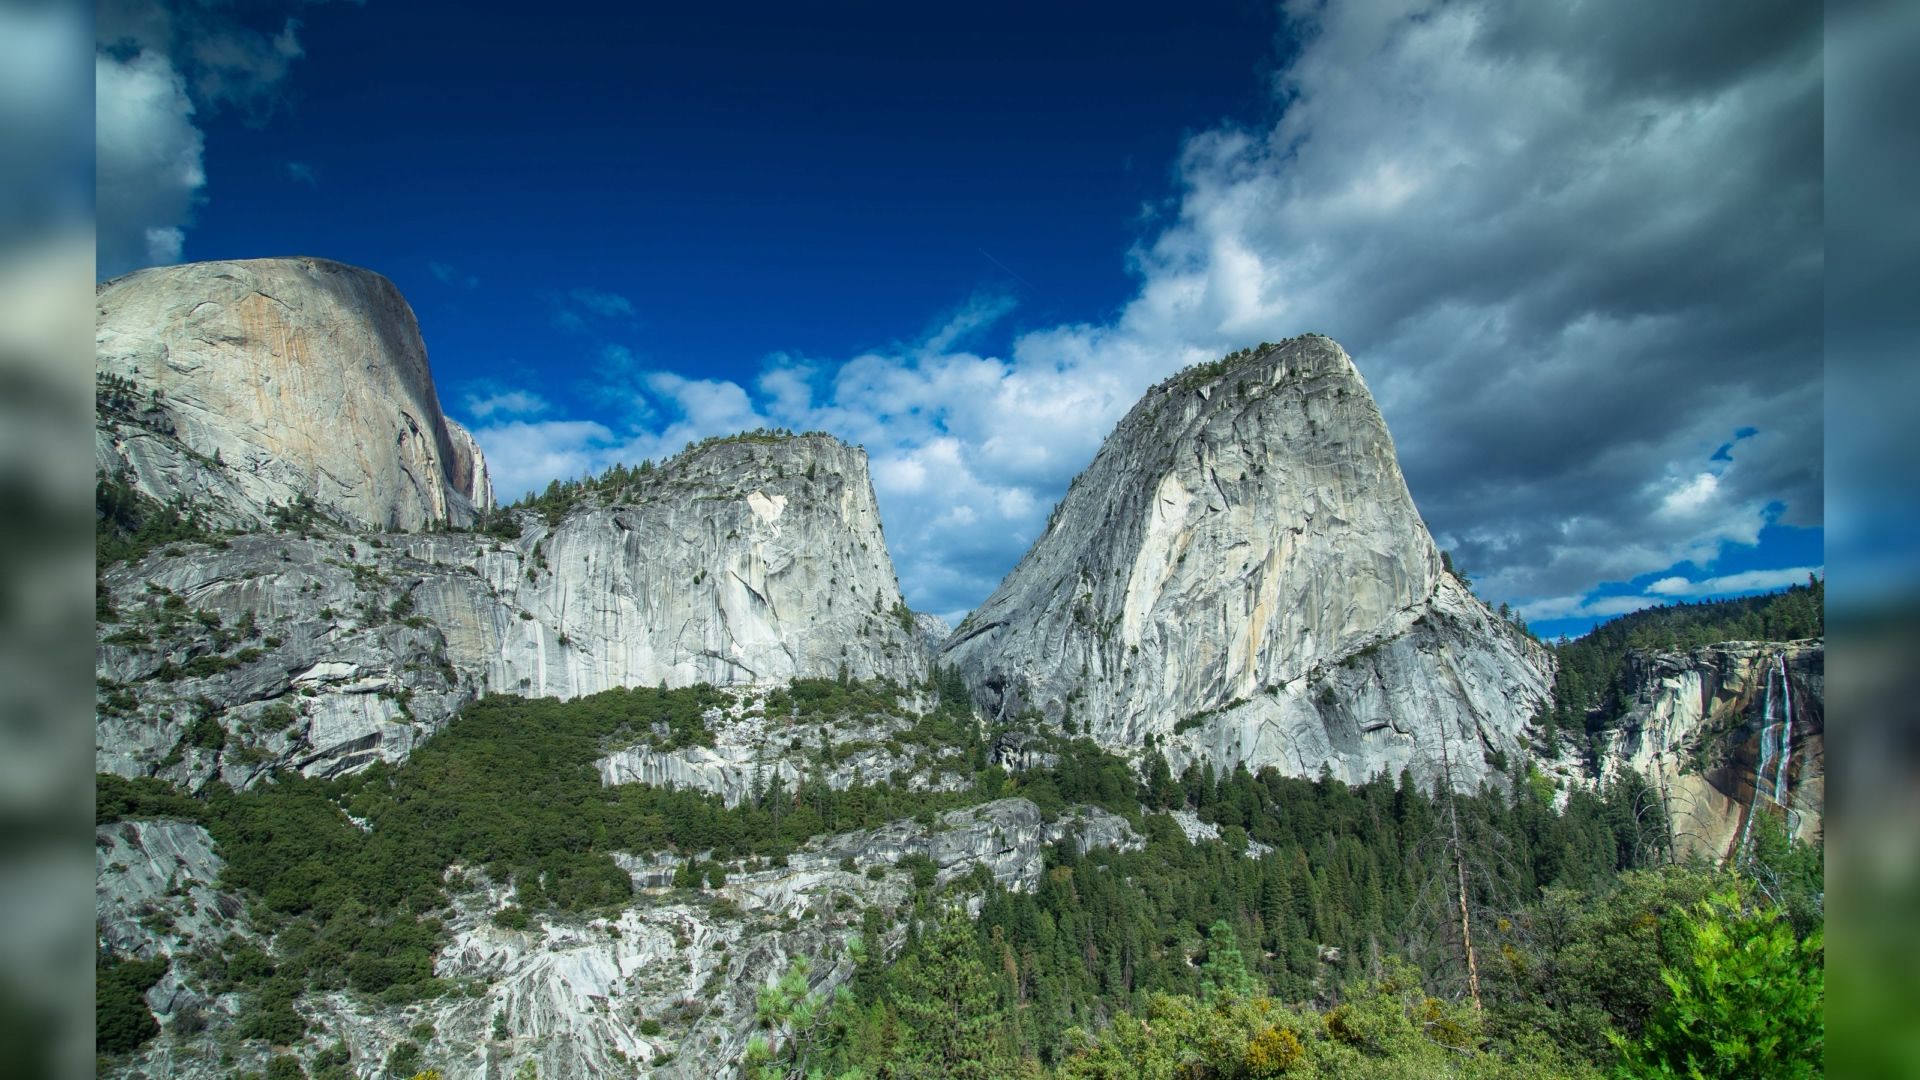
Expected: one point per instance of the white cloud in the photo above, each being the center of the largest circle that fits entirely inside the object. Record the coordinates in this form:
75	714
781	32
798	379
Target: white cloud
1572	256
605	304
1691	496
576	310
1666	590
505	403
1747	581
164	244
706	406
525	456
148	161
302	173
156	67
1578	606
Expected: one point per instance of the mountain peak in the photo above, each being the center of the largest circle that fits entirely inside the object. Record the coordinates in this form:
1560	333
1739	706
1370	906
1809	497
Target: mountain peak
270	382
1243	542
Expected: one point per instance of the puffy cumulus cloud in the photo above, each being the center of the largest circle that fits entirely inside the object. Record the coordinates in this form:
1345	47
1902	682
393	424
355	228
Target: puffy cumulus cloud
147	162
158	66
1573	260
1579	263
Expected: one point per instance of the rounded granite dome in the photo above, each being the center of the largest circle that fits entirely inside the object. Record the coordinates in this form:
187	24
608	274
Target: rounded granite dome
270	381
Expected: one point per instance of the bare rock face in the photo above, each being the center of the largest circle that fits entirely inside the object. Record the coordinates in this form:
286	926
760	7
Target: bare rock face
1241	575
743	562
575	993
754	748
154	889
755	559
264	382
248	389
1724	733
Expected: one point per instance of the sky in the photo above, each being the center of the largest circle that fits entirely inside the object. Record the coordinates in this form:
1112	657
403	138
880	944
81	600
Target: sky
1576	250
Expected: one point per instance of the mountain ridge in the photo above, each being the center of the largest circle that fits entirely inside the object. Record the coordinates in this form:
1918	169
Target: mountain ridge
573	783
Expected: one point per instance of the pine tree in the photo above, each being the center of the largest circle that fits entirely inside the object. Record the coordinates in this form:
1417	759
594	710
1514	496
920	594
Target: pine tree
946	1000
1225	975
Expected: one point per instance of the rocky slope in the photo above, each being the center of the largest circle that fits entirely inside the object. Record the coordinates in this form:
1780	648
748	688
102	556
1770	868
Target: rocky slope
758	744
665	988
746	561
1241	576
353	595
1724	733
258	384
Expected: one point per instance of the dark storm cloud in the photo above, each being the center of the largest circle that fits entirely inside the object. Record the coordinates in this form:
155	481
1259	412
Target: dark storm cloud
1573	256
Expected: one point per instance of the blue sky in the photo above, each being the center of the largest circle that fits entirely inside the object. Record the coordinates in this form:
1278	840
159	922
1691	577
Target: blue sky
1577	261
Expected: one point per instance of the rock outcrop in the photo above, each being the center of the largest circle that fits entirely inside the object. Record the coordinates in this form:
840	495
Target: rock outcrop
670	983
1242	576
1724	733
290	399
746	561
754	559
754	748
1239	577
269	382
154	889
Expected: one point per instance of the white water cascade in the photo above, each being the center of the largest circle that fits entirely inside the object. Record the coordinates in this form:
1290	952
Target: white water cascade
1776	749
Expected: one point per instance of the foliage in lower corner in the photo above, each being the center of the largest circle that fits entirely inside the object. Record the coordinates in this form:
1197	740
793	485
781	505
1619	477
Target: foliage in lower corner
1748	1000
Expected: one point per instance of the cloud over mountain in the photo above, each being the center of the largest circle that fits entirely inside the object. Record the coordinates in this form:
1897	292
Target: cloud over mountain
1573	256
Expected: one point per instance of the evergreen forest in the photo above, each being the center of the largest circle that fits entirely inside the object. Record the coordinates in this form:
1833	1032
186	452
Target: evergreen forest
1385	929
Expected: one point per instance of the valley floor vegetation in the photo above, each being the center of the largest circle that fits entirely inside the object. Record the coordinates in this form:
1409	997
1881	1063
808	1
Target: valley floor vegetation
1319	935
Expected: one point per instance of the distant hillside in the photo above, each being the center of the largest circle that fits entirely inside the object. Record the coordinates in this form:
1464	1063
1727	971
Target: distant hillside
1590	668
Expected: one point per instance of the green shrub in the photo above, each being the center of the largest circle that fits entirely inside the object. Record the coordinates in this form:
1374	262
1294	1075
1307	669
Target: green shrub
1748	1001
121	1020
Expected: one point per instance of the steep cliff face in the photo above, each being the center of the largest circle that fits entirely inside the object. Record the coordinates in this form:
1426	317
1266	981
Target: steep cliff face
339	634
1241	574
749	560
1725	733
742	562
259	383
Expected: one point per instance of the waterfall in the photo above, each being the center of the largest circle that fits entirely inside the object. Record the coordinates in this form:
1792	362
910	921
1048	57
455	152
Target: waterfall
1786	735
1766	757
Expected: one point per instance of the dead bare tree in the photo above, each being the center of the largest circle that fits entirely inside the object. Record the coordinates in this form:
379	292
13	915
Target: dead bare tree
1460	869
1466	875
